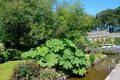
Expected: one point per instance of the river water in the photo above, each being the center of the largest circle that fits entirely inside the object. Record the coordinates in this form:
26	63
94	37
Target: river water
100	70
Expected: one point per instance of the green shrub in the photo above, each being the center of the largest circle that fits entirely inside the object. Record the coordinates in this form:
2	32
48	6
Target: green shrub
92	58
10	54
62	53
2	47
4	56
29	70
2	59
87	57
99	56
117	41
14	54
31	54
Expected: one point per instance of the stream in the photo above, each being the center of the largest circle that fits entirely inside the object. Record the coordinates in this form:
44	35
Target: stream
100	70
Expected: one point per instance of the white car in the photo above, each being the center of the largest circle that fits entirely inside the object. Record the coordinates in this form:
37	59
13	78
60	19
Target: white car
106	46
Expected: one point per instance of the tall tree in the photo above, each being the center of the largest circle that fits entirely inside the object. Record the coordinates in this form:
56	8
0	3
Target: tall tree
117	15
72	22
106	17
22	18
109	17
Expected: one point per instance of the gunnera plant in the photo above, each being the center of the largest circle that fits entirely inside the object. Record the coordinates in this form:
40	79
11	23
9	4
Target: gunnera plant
29	70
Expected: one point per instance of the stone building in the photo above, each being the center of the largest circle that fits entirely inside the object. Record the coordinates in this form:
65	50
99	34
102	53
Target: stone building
98	35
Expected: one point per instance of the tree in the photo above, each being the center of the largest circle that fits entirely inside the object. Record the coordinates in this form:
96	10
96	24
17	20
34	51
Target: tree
109	17
106	17
117	15
14	21
43	20
32	22
24	19
71	21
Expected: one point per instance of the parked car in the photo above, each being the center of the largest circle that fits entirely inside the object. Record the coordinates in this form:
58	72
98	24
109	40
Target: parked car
106	46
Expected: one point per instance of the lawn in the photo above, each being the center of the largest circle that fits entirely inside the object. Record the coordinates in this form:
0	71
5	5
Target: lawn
6	69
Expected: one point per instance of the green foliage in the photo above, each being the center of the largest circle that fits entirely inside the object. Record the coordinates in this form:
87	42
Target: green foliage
10	54
92	58
28	70
117	40
55	45
42	51
108	41
26	21
63	53
31	22
2	58
80	71
15	26
108	17
2	47
72	27
117	13
99	56
48	60
31	54
87	57
14	54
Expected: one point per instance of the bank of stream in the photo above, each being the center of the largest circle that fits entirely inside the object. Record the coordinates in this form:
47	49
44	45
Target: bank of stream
100	70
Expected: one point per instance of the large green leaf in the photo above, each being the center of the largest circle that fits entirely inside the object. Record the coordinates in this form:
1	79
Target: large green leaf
67	65
79	71
29	55
65	62
49	60
70	43
76	61
67	52
55	44
79	53
42	50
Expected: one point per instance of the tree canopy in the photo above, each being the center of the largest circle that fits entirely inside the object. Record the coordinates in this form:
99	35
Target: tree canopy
109	17
33	21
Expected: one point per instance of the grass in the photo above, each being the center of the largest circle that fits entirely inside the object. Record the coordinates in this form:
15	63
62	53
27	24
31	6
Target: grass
6	69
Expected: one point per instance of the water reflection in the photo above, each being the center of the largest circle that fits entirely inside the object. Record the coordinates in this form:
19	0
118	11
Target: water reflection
100	70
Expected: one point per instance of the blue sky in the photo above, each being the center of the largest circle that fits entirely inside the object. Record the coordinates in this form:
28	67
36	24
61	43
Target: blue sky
95	6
